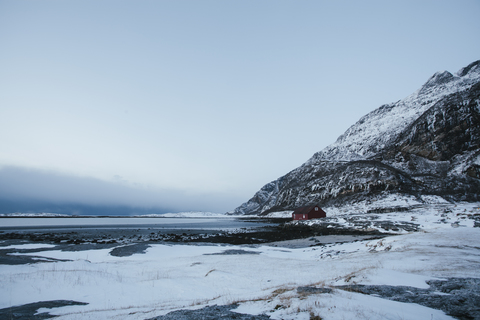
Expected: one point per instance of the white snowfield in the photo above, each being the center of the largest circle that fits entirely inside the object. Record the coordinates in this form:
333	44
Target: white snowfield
262	281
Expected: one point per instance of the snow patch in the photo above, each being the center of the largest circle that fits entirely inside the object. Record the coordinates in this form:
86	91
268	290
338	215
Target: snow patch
33	215
28	246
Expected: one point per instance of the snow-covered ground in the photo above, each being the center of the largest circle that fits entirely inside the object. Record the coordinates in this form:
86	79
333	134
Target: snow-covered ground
33	215
261	279
387	200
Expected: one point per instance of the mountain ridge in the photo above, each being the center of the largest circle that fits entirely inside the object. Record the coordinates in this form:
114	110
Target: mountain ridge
427	144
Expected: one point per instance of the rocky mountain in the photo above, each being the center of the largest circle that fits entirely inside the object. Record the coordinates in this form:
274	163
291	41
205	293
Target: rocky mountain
424	146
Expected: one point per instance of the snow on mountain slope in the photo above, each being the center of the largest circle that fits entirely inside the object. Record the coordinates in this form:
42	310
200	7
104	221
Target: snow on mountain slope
425	144
377	129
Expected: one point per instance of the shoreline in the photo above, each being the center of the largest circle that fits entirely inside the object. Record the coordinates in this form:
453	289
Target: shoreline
122	241
355	259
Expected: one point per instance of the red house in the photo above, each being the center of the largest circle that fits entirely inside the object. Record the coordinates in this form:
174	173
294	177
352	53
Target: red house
309	212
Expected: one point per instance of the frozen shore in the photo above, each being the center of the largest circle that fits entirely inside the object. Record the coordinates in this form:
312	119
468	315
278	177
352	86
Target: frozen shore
380	274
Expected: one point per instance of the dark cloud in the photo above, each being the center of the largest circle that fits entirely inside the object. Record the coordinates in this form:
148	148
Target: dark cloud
29	190
32	206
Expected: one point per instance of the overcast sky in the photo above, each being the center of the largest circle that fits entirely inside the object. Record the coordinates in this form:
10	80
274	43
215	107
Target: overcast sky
195	105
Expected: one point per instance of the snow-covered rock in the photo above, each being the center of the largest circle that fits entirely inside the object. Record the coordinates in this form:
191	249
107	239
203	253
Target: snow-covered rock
426	145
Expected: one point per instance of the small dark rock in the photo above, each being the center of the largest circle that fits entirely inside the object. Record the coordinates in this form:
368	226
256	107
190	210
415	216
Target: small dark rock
313	290
232	251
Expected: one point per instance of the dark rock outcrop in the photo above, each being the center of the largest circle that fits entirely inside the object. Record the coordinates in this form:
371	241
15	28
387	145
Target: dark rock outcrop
210	313
29	311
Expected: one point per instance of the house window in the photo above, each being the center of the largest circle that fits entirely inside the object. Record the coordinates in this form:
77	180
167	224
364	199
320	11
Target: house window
316	208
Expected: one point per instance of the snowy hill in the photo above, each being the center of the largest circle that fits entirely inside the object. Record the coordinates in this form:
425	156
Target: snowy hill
426	146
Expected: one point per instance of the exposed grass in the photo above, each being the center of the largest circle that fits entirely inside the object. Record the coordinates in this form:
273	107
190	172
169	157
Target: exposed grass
210	272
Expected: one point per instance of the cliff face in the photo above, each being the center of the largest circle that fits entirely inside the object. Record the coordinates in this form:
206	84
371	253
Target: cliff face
425	144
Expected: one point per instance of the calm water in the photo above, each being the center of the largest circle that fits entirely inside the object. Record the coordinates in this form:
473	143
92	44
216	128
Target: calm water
128	223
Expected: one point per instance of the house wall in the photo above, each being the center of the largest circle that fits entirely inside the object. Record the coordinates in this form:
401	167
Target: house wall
316	214
312	214
299	216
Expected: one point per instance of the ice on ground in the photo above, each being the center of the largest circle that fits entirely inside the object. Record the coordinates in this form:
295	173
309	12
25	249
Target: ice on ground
172	277
28	246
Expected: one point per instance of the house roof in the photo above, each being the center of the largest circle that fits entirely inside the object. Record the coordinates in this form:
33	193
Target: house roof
304	210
